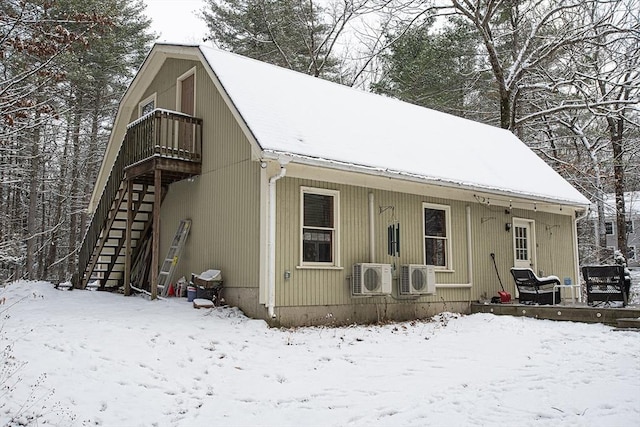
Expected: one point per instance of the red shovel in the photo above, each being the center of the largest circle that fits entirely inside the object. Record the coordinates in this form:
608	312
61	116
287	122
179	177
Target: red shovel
504	295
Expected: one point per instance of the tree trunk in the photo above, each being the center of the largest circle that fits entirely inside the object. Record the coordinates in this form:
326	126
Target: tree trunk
34	185
73	191
505	109
57	217
616	128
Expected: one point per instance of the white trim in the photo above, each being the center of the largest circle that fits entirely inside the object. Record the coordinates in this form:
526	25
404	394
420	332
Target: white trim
531	240
613	229
264	236
447	218
380	180
335	243
151	98
256	150
453	285
271	240
179	80
494	196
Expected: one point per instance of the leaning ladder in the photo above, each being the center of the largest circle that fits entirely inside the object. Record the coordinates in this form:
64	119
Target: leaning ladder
173	255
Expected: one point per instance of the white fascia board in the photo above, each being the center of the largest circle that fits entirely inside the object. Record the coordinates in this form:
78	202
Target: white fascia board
384	179
256	149
128	103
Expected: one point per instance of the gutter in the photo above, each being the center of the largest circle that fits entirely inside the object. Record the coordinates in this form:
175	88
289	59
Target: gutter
271	239
423	179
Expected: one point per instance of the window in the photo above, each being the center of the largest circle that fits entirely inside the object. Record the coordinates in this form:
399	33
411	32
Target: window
629	227
437	235
608	227
521	243
147	105
320	219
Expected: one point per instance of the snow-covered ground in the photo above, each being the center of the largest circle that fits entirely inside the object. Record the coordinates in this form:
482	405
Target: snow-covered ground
91	358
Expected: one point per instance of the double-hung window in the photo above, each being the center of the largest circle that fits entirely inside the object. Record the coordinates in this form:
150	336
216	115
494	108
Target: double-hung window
437	235
320	219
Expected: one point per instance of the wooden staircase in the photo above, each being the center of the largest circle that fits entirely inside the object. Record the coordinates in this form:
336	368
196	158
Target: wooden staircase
108	259
156	152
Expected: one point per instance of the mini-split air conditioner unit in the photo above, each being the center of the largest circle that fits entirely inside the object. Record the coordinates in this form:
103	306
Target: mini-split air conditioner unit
371	279
417	279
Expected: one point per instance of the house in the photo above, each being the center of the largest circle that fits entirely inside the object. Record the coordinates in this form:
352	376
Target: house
632	207
319	203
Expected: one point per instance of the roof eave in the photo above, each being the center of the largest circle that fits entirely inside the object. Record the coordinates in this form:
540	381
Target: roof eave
422	179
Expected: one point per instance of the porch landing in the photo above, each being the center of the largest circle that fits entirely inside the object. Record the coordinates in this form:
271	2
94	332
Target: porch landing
623	317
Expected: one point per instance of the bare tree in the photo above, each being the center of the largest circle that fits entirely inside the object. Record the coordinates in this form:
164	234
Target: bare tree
522	39
596	99
63	66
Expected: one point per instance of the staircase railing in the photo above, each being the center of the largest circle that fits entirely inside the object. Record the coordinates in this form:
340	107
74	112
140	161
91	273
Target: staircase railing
161	133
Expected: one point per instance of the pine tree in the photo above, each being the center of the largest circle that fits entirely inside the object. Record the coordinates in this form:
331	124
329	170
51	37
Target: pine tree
289	33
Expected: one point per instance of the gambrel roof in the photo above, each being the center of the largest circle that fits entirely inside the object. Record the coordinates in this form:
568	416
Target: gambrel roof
321	123
311	119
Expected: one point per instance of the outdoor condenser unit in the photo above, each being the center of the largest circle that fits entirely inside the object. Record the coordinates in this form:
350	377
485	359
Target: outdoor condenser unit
371	279
416	279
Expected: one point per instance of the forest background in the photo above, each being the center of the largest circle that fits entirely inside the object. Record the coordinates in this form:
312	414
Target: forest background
563	75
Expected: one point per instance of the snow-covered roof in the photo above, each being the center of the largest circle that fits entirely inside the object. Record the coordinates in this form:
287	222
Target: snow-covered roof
309	118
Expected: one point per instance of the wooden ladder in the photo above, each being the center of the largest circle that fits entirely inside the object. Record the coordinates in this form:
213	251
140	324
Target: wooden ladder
173	255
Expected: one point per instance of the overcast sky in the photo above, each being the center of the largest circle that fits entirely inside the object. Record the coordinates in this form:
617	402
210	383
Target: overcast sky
175	20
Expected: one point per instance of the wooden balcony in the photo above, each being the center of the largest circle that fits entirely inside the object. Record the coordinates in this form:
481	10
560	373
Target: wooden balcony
165	140
158	149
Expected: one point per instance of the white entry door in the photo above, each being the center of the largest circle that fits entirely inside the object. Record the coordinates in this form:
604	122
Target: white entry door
524	243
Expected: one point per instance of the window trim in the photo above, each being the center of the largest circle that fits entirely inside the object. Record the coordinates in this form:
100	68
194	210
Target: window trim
179	80
448	253
151	98
613	231
335	247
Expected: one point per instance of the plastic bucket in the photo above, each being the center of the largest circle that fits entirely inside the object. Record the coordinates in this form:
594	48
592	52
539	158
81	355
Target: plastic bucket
191	293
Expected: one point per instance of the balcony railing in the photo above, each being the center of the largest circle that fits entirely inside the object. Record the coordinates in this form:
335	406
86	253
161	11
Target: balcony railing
160	133
164	133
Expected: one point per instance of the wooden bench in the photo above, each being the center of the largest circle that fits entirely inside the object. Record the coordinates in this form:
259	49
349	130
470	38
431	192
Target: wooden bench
605	284
535	290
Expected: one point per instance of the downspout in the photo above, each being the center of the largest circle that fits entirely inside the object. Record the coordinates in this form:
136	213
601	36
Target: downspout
271	240
469	254
469	251
576	254
372	230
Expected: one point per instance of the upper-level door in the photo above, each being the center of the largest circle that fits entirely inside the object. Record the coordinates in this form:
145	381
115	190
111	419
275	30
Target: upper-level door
524	243
186	89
